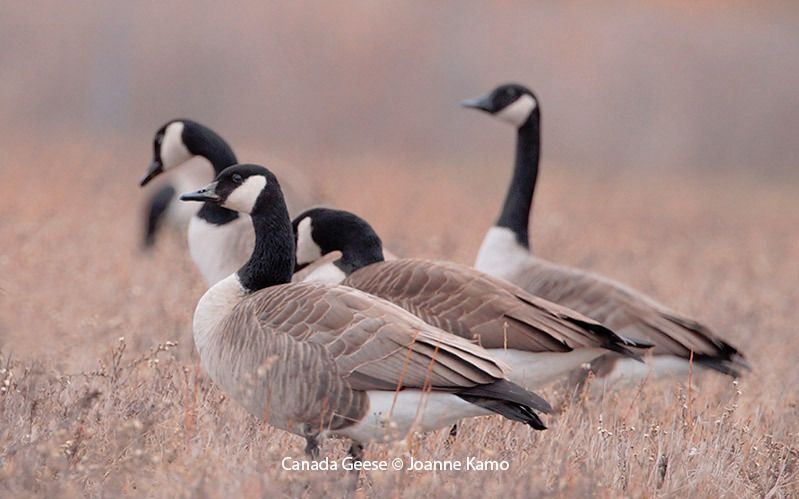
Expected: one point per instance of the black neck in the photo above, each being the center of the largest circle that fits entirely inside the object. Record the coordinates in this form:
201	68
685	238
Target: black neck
272	260
356	257
219	154
215	214
516	210
214	148
203	141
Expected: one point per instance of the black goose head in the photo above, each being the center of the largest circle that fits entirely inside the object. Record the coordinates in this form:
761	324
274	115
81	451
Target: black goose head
319	231
180	140
244	188
254	190
511	102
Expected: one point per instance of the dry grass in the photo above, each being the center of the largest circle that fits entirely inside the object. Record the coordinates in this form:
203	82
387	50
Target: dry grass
86	413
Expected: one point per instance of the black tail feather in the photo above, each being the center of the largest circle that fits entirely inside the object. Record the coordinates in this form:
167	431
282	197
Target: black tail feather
617	343
624	350
726	360
636	343
510	392
732	366
512	411
509	400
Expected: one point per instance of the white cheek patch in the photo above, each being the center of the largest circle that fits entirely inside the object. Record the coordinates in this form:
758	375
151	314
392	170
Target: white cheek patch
173	150
307	249
518	112
243	198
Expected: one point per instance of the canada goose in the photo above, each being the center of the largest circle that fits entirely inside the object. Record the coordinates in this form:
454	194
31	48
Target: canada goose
200	153
539	340
505	253
319	359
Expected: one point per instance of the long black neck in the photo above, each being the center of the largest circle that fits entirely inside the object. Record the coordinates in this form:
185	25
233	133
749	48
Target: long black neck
220	155
516	210
272	260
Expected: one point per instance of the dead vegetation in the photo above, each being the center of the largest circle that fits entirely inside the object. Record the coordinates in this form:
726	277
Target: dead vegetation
101	395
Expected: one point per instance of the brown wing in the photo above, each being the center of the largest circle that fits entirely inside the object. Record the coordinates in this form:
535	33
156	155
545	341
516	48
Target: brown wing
476	306
312	348
629	313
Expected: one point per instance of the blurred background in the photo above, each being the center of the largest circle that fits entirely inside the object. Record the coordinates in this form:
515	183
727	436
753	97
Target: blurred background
701	84
669	136
670	150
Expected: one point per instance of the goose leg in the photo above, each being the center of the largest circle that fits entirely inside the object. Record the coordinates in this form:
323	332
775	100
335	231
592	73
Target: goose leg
312	447
453	434
582	378
311	435
356	451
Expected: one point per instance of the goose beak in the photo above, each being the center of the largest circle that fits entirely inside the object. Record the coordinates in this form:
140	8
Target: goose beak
207	193
155	169
481	103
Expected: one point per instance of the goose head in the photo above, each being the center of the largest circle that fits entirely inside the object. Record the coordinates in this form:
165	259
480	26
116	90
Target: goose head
178	141
319	231
244	188
169	149
512	103
255	191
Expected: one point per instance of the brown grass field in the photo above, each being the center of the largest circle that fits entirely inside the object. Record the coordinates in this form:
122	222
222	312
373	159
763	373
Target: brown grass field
95	401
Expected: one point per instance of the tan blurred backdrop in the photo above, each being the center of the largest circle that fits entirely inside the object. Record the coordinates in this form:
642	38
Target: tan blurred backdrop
706	84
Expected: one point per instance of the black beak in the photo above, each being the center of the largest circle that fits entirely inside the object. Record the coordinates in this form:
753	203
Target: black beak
207	193
481	103
155	169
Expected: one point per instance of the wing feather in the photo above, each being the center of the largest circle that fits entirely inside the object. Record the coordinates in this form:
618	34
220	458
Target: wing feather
312	349
479	307
629	313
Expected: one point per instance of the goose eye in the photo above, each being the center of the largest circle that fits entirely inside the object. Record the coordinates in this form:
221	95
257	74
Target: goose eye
236	178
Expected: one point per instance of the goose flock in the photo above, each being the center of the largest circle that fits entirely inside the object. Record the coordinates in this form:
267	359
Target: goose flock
309	327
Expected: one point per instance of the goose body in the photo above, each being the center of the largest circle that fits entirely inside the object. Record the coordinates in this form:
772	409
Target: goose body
505	253
539	340
320	359
220	240
316	355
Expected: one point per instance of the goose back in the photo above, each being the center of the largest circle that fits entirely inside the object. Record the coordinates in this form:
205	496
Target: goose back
307	353
628	312
476	306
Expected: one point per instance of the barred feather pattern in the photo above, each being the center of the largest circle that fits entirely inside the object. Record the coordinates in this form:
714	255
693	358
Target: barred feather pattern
302	355
476	306
629	313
